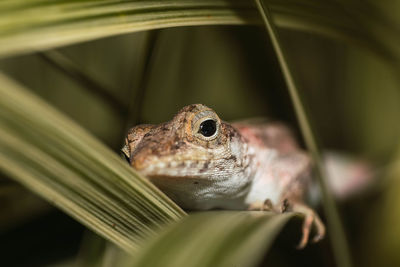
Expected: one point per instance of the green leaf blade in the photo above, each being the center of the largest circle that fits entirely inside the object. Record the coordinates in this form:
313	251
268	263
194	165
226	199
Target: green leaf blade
339	242
30	26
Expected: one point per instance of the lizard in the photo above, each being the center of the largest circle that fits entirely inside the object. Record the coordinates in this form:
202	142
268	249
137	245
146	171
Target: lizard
202	163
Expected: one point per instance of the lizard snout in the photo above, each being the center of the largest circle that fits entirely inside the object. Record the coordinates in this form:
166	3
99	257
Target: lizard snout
142	160
148	161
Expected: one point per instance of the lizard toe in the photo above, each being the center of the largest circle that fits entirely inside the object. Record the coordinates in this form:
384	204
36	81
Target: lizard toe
311	218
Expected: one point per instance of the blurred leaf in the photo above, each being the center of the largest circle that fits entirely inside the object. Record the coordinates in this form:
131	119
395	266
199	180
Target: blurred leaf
18	205
91	248
382	232
335	227
64	64
52	156
369	111
27	26
217	238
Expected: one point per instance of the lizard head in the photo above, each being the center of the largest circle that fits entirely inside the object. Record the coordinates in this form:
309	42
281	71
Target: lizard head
194	154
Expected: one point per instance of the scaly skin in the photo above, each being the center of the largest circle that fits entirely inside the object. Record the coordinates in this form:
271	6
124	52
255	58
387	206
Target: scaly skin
241	166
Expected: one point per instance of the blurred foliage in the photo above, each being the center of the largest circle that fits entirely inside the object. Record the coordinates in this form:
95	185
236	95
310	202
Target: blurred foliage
55	158
349	82
233	238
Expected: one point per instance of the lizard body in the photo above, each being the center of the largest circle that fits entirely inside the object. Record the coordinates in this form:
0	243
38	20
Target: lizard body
202	163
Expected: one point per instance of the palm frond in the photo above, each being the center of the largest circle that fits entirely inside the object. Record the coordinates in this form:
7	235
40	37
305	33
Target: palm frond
29	26
58	160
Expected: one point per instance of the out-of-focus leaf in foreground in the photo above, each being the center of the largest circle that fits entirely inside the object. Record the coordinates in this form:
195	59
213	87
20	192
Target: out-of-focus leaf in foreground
32	25
61	162
217	238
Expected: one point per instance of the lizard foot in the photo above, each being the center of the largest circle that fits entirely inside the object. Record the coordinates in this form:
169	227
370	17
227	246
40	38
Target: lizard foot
310	218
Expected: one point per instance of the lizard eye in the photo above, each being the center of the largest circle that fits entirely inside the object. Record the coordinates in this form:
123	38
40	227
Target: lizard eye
208	128
206	125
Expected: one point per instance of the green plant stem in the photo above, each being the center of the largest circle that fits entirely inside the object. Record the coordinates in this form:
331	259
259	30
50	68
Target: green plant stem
339	242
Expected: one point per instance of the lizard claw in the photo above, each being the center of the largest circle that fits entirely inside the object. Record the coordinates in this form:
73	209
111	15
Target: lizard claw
307	224
310	218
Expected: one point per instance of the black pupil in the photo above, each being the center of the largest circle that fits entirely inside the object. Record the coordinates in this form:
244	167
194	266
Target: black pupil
208	128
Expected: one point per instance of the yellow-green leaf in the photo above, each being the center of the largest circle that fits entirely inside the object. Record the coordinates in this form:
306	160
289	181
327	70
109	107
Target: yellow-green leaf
217	238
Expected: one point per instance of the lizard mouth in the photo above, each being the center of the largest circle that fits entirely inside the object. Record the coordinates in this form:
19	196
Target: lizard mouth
171	169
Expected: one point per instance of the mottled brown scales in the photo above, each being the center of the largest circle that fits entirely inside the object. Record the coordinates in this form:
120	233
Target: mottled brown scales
203	163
